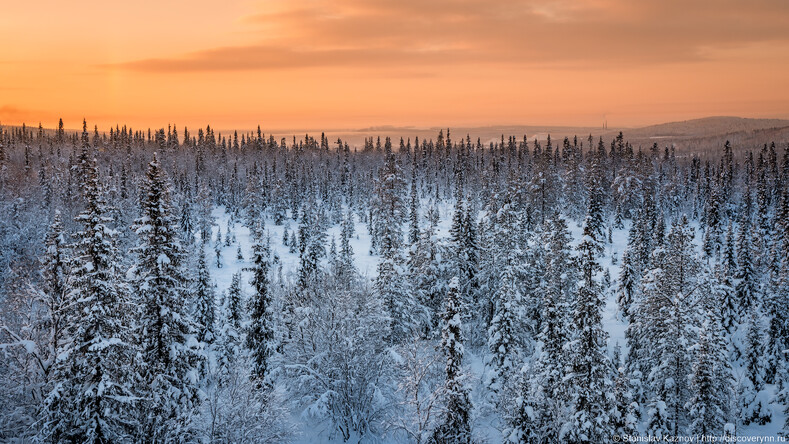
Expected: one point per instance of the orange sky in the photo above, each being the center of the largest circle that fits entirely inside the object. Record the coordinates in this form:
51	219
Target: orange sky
357	63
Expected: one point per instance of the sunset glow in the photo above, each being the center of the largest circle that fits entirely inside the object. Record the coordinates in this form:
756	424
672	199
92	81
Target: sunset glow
356	63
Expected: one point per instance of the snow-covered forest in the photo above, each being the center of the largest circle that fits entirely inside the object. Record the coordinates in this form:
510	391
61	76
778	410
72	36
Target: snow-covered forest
185	286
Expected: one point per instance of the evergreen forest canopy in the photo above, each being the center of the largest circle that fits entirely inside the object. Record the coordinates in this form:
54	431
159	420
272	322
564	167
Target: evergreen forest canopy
172	287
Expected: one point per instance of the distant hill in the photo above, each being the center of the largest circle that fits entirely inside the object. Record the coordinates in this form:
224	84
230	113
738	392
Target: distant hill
672	132
707	126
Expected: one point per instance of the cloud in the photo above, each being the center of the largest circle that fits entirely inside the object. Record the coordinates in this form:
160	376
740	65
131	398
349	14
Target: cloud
387	34
260	57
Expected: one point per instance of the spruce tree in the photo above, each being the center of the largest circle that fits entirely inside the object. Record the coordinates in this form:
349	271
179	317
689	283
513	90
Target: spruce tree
260	337
705	406
187	225
311	246
92	397
455	425
627	286
670	293
459	256
218	251
625	417
747	285
558	287
345	260
729	259
526	423
711	241
502	334
205	303
776	297
235	302
390	284
427	278
754	401
597	186
725	294
169	354
413	209
392	287
591	368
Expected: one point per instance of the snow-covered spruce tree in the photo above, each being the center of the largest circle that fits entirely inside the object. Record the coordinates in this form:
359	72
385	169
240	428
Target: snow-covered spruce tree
625	416
776	297
92	397
278	204
502	334
391	283
712	234
489	254
706	404
413	208
205	302
725	274
506	227
392	288
427	275
456	234
260	337
543	183
721	342
671	292
345	264
729	257
229	236
596	184
204	314
311	244
659	236
783	395
591	370
471	253
747	284
169	352
627	284
558	290
388	206
463	251
205	220
455	425
754	400
232	317
186	221
642	237
524	421
724	293
218	249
